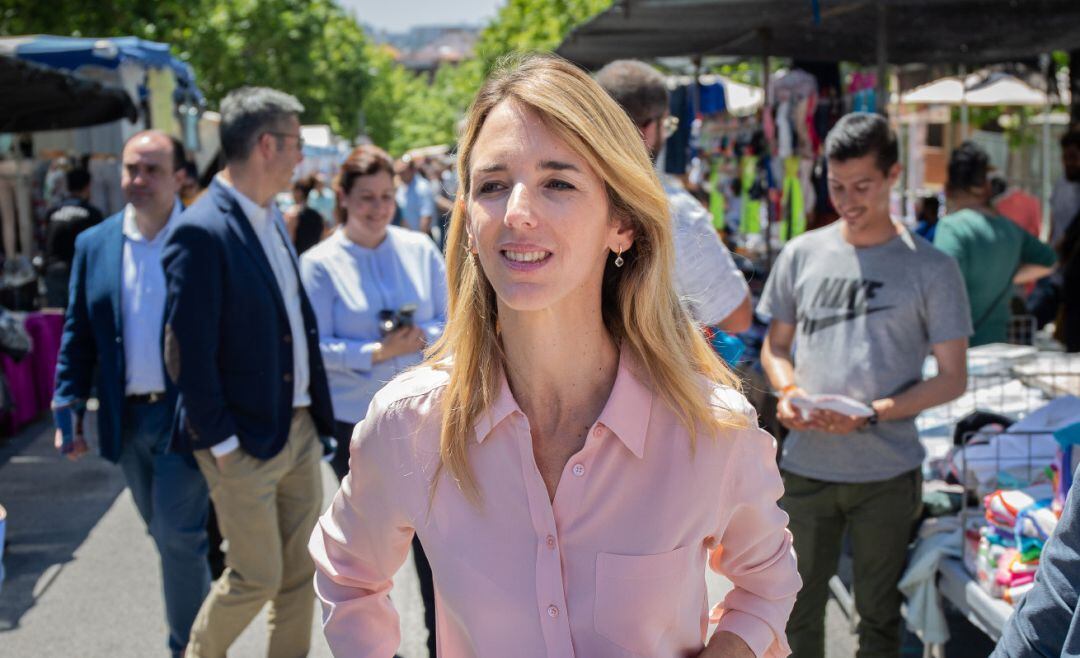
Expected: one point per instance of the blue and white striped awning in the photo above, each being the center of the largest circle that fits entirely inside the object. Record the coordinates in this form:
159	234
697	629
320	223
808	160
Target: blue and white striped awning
72	53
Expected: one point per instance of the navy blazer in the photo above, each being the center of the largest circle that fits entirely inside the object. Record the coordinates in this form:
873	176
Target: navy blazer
228	346
93	334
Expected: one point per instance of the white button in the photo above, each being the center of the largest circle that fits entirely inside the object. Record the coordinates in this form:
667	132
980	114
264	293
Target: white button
579	470
550	542
553	612
598	431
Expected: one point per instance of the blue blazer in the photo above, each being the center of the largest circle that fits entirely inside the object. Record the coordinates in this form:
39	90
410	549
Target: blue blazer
93	335
228	347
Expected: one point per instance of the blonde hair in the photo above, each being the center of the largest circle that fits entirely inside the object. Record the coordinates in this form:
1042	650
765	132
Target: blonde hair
639	305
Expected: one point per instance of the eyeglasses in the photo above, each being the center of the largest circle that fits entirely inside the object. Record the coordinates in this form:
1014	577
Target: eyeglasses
298	138
669	125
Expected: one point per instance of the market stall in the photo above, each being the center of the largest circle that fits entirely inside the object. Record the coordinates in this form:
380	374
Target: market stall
36	97
869	35
985	89
1001	453
160	86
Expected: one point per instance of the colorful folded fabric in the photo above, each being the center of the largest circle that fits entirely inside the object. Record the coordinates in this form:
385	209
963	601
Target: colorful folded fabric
1023	512
1036	521
1014	594
1030	548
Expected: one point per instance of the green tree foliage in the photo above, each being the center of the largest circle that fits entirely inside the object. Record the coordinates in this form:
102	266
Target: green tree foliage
525	25
431	113
309	48
314	50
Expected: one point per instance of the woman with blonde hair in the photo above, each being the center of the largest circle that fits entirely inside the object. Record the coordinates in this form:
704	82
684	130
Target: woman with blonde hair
572	453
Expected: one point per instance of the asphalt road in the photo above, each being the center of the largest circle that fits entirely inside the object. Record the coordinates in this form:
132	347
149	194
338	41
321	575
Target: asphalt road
83	576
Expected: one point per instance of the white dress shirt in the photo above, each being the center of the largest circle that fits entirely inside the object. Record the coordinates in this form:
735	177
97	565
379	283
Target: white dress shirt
142	305
269	228
708	282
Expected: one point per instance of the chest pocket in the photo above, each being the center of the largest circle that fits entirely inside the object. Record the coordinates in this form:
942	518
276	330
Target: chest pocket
639	598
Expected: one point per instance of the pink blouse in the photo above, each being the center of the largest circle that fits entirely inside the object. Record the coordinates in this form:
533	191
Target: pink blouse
615	566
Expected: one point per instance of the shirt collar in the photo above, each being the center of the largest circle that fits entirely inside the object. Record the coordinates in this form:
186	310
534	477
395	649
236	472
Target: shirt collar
255	213
343	240
626	413
131	229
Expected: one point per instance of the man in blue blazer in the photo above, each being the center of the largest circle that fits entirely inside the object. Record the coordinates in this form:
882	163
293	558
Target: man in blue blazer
114	323
241	344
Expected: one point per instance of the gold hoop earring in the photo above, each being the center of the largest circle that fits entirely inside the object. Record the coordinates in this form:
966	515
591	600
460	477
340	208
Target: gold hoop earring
619	259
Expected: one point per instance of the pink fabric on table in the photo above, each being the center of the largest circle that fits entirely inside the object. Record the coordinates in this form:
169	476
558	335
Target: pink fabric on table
30	381
613	566
45	330
24	404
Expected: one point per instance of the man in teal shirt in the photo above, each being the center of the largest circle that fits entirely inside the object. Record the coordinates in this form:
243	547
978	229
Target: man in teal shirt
993	252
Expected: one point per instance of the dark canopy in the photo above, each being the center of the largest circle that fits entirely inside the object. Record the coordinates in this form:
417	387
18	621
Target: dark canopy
917	31
35	97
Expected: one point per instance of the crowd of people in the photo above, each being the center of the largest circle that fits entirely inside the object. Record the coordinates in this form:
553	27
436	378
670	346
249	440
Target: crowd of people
506	369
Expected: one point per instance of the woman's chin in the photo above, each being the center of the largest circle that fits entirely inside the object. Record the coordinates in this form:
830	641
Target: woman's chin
524	297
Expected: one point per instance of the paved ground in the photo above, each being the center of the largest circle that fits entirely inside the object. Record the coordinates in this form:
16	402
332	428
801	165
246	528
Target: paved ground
82	574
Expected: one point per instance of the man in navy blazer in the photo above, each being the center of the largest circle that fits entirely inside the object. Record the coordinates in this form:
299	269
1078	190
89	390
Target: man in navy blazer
114	323
241	344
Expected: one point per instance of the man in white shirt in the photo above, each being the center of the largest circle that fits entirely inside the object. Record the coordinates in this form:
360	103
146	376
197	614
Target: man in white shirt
241	343
712	288
114	327
414	196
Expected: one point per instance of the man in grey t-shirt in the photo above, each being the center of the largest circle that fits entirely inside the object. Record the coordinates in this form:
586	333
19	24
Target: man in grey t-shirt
856	307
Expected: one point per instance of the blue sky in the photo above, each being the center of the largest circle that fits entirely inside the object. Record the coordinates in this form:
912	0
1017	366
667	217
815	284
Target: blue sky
400	15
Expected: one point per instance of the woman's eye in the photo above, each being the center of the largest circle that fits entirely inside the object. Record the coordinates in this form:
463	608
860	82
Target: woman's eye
489	186
560	185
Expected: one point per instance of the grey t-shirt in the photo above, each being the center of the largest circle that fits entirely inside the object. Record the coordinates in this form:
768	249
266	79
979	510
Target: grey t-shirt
865	320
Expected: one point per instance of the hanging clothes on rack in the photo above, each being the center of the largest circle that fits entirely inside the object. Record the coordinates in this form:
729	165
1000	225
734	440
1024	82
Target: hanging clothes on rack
16	211
713	100
677	147
863	90
751	195
791	202
717	200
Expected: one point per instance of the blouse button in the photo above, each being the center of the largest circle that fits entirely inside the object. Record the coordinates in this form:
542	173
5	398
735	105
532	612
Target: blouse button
553	611
550	542
598	431
579	470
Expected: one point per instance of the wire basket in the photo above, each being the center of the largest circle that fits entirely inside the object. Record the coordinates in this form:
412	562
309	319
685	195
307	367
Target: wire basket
1033	391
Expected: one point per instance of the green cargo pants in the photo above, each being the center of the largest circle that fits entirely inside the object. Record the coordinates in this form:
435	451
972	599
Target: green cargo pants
879	518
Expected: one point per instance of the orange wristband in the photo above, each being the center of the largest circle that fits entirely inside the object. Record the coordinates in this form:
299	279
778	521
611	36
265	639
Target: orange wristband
790	388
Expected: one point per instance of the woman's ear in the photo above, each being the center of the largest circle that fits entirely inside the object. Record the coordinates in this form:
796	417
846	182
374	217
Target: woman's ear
470	242
624	233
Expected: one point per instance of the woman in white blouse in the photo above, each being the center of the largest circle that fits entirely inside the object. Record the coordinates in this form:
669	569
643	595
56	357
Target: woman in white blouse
378	291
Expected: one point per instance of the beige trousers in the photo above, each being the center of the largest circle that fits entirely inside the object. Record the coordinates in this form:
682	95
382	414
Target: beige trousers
266	511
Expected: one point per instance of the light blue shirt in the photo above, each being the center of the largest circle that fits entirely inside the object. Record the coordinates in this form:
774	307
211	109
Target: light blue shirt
323	203
348	285
142	305
415	201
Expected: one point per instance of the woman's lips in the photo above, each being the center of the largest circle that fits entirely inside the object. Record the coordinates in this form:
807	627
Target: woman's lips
526	259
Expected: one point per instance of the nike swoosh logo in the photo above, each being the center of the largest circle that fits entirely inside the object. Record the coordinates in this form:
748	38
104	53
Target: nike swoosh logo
811	327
